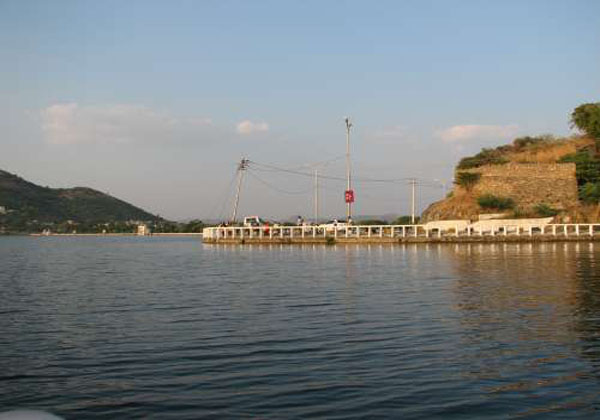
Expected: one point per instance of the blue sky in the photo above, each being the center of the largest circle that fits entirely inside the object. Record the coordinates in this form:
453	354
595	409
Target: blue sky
154	102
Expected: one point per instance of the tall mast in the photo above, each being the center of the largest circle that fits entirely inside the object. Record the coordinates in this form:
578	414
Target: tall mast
413	183
242	166
316	200
349	184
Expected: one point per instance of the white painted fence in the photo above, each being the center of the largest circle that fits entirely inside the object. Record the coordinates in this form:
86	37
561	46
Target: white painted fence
396	231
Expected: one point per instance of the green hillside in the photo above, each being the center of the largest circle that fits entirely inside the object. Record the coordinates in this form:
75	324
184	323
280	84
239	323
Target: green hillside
28	206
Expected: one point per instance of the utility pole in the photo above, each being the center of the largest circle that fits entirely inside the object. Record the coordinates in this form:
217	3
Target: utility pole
316	200
349	193
242	166
413	183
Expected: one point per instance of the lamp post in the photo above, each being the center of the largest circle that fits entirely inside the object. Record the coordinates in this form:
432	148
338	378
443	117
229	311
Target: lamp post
349	196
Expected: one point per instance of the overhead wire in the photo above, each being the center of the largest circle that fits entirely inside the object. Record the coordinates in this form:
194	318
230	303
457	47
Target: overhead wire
224	198
273	168
254	167
321	163
273	187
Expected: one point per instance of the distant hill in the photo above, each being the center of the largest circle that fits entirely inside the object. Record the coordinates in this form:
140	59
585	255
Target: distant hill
24	200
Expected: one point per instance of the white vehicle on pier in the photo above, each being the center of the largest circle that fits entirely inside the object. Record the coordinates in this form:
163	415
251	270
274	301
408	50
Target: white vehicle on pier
254	221
334	225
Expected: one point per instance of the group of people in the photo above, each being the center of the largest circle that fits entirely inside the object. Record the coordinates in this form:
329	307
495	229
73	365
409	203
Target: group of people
299	222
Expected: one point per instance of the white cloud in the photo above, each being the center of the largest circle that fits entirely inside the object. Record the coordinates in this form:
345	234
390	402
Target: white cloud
249	127
70	123
465	133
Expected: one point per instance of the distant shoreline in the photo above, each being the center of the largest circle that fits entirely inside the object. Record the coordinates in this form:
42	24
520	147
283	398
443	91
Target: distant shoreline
107	234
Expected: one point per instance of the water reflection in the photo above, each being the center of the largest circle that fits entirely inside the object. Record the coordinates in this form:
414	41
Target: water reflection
515	303
587	310
173	328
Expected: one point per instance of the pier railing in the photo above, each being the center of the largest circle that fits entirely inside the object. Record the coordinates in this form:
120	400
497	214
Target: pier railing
266	233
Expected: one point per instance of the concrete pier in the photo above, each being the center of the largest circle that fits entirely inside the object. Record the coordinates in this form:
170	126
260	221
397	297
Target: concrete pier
400	234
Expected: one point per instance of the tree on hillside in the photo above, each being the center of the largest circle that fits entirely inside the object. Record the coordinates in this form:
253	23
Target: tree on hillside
194	226
586	117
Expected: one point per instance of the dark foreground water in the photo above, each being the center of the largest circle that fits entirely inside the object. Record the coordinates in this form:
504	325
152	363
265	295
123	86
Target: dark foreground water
170	328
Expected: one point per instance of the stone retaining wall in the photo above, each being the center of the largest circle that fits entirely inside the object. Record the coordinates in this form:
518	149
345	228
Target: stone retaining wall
529	184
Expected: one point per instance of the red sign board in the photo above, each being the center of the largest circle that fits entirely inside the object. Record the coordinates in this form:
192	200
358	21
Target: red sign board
349	196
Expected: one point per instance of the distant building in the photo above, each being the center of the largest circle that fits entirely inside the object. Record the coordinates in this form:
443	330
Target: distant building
2	210
143	230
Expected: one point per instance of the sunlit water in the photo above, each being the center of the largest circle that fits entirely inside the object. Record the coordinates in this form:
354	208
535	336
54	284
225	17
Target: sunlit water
170	328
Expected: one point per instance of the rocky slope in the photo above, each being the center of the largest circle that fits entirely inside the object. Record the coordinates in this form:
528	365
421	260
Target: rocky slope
532	176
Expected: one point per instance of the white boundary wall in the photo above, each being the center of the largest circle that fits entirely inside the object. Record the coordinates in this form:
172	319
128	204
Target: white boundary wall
536	227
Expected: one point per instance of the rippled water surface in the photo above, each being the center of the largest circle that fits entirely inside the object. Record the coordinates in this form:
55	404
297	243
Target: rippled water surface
170	328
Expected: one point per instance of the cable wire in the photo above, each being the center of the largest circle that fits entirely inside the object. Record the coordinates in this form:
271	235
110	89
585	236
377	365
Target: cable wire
225	198
273	168
273	187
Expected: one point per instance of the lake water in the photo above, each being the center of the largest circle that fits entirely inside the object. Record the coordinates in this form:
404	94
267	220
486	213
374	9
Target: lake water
130	327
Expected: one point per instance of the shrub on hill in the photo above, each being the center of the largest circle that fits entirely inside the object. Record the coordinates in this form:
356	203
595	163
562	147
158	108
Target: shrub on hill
485	157
587	171
467	179
589	193
500	154
587	166
528	142
544	210
490	201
